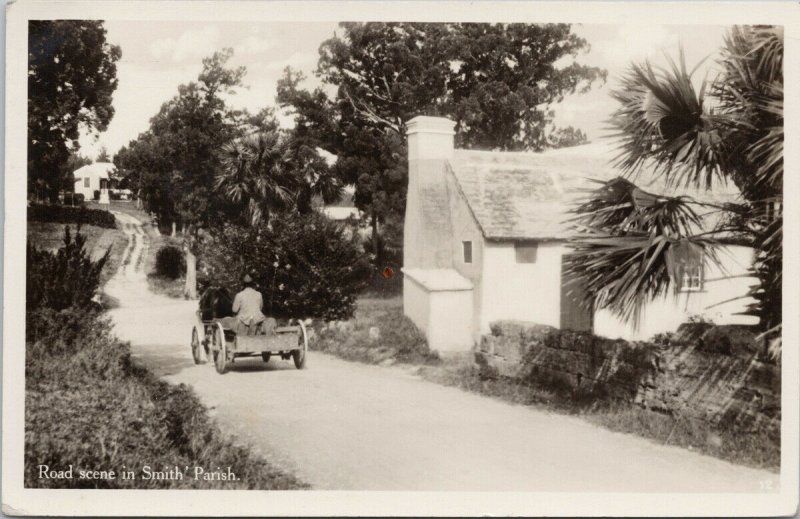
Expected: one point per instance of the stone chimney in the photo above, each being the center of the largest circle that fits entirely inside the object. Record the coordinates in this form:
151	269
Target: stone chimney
428	230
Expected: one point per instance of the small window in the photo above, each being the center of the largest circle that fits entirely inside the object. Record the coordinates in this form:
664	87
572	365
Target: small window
526	252
86	182
467	246
691	277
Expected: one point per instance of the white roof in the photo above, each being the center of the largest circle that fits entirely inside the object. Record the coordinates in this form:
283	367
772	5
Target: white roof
98	170
340	213
439	279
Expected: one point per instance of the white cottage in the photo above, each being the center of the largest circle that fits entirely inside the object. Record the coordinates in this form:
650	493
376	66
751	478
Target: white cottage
93	177
485	240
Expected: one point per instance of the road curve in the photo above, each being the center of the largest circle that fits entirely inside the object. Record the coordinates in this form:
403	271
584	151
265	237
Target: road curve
346	426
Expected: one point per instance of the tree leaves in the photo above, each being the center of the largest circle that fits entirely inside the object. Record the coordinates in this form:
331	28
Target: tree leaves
71	78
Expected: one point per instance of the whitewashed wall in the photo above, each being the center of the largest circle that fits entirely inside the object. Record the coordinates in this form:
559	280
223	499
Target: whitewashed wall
444	316
666	314
521	291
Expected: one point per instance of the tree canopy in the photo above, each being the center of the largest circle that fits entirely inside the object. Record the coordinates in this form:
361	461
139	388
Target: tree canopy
71	78
175	162
497	81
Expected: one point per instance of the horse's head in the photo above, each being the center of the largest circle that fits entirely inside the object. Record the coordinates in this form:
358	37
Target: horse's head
216	302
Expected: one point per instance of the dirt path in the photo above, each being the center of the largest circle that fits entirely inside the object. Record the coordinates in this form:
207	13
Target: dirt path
347	426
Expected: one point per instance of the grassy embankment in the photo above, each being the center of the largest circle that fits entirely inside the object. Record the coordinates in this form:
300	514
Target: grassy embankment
156	240
400	342
87	405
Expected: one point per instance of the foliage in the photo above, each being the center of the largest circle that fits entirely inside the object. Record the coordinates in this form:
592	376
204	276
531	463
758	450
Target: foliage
625	250
71	78
87	405
169	262
399	340
64	279
304	265
174	164
496	80
257	176
69	214
567	137
666	125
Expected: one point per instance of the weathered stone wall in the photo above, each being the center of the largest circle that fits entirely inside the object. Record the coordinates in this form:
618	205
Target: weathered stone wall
703	372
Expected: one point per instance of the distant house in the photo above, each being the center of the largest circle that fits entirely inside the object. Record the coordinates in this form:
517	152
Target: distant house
344	208
485	240
93	177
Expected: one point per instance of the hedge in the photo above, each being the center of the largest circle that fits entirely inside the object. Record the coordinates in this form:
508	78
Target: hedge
68	214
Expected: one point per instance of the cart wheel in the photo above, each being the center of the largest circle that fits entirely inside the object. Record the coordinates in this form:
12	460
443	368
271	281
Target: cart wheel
196	346
265	356
220	350
299	354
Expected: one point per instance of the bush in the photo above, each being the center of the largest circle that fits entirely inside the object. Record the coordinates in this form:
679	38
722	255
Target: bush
72	199
304	265
68	214
170	262
87	405
96	194
66	278
398	340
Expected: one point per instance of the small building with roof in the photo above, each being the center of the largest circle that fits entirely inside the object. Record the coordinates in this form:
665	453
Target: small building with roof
93	177
486	235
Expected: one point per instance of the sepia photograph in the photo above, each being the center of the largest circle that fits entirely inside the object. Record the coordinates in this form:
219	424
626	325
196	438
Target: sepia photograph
358	252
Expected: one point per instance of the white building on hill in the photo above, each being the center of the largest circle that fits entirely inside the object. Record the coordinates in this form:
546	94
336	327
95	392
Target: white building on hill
93	177
485	240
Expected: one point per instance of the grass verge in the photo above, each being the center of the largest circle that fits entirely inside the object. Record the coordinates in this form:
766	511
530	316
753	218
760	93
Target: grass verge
89	407
401	342
155	240
50	236
378	334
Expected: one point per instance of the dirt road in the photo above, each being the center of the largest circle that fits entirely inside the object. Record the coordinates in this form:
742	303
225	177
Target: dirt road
346	426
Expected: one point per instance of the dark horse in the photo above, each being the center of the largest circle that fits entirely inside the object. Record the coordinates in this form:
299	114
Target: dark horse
215	303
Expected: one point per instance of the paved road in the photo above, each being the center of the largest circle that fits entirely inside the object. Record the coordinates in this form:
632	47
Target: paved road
347	426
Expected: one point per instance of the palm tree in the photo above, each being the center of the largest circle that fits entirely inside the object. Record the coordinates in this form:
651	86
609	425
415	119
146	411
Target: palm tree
729	130
257	175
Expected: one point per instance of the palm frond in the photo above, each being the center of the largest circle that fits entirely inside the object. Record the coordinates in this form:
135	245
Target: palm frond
662	124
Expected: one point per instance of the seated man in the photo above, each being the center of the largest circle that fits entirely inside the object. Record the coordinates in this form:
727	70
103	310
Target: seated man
247	306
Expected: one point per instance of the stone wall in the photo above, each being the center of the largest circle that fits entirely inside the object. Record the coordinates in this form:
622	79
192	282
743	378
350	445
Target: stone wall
703	372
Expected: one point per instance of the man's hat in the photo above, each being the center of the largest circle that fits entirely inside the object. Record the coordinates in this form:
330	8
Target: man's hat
247	279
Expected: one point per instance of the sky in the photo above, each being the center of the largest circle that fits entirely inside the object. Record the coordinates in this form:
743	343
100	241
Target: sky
159	56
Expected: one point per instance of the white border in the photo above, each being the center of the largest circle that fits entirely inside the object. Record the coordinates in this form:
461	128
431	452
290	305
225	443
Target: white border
16	499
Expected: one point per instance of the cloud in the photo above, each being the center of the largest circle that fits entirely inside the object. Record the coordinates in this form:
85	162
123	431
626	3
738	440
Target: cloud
635	43
254	44
190	44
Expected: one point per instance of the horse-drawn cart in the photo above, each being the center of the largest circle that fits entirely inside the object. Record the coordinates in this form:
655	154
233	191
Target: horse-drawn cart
211	339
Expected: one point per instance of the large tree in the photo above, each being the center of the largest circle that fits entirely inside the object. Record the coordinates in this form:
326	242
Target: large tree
730	130
71	78
175	163
497	81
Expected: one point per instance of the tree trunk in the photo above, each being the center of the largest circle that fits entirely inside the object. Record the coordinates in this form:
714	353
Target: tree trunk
375	237
190	289
174	230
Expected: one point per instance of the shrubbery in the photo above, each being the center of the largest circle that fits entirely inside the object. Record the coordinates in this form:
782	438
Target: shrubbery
87	405
170	262
67	278
396	337
68	214
304	265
